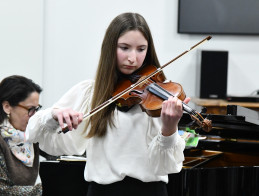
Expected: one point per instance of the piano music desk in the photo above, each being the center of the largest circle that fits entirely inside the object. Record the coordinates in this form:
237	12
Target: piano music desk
219	106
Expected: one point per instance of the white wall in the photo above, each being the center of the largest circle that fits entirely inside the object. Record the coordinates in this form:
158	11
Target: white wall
73	31
21	37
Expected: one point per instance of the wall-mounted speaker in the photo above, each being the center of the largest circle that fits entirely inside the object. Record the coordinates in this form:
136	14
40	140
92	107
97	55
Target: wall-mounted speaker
212	74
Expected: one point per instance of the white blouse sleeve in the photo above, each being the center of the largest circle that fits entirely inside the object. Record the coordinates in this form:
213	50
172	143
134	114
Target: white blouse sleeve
44	129
166	153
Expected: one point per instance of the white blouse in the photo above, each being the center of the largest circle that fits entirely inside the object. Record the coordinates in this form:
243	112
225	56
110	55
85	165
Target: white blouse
135	147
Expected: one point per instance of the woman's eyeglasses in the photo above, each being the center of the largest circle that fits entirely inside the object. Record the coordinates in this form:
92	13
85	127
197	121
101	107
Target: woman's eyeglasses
31	110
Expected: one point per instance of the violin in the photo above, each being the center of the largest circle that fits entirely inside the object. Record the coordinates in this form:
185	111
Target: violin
150	91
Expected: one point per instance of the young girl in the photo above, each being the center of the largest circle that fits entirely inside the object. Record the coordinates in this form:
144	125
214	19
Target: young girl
128	152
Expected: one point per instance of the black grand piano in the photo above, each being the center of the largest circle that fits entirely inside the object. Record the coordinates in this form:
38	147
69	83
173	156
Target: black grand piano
225	162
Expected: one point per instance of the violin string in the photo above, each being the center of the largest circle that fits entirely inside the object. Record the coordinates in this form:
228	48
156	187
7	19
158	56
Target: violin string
166	94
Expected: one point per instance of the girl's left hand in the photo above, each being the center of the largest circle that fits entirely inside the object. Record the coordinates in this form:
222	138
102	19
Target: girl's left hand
171	113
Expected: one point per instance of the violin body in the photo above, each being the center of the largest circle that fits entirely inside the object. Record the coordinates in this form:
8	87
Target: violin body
150	94
149	102
129	99
152	104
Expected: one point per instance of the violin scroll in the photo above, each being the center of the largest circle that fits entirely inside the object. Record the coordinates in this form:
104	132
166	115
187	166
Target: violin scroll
205	124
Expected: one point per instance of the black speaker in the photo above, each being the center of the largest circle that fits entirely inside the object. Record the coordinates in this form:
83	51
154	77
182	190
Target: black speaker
212	76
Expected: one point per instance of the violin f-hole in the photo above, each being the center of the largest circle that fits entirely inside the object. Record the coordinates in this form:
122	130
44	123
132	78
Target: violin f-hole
136	91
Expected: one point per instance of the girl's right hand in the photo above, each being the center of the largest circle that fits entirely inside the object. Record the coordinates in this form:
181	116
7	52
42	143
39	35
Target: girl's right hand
70	117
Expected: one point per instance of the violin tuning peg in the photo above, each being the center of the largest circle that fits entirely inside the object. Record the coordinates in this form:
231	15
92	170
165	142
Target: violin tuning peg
203	110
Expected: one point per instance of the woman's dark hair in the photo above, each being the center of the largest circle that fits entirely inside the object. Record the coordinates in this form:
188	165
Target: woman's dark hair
15	89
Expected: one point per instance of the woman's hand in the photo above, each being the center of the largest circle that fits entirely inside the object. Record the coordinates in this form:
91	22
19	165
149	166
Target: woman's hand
68	116
171	113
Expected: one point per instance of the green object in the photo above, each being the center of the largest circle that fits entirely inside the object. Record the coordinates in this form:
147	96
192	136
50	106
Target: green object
192	139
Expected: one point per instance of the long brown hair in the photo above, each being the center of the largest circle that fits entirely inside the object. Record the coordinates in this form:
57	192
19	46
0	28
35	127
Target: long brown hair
107	73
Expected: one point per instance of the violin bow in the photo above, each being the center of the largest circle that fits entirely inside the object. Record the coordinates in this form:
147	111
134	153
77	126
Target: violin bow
130	88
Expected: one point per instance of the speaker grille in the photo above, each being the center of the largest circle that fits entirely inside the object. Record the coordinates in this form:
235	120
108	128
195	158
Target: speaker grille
213	76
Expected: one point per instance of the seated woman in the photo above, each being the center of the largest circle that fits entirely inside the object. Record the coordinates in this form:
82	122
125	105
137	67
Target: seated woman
19	160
